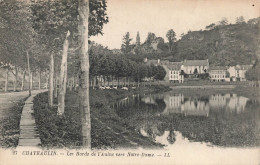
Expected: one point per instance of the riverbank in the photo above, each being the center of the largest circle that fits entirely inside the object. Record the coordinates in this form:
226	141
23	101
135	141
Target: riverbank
108	131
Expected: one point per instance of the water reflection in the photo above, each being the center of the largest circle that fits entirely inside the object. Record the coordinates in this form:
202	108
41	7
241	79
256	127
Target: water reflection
220	119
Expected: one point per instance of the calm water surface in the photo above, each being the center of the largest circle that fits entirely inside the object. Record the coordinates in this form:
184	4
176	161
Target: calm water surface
177	119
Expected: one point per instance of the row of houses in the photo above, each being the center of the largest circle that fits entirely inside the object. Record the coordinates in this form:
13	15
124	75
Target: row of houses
175	71
231	73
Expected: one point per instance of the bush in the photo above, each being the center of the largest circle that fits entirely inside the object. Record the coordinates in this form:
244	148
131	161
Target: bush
56	131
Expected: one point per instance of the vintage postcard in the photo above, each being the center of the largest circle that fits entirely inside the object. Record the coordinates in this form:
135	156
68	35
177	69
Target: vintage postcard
129	82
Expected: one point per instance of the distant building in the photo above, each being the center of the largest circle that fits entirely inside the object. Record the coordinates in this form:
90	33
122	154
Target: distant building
152	62
237	73
218	73
174	69
173	72
189	66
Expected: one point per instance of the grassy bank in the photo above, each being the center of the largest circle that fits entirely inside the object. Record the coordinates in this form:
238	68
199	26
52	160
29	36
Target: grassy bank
9	127
107	129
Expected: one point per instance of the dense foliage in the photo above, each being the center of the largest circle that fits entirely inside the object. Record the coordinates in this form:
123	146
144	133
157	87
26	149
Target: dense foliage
108	65
221	43
253	74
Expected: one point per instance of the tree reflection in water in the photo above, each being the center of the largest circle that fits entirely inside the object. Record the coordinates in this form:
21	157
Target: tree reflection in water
221	119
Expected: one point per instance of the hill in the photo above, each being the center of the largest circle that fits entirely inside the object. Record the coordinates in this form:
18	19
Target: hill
221	44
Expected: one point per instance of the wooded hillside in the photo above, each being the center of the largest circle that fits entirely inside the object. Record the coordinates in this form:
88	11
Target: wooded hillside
222	44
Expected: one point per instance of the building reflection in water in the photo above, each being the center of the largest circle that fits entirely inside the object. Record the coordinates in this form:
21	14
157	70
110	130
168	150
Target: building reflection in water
205	118
201	106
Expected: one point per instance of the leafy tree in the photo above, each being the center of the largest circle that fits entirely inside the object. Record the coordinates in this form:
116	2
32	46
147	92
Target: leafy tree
171	36
161	73
253	74
240	20
51	21
211	26
227	74
182	73
125	47
195	71
150	38
138	42
15	17
223	21
151	71
96	9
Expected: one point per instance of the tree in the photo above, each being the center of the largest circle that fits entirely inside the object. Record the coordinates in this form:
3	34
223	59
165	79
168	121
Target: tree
97	10
63	77
223	21
253	74
161	73
143	71
84	73
195	71
138	39
211	26
125	47
227	74
150	72
182	73
14	50
171	36
240	20
150	38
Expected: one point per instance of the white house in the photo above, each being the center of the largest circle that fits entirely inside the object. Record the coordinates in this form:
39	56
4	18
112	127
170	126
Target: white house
174	72
173	69
237	73
218	73
189	66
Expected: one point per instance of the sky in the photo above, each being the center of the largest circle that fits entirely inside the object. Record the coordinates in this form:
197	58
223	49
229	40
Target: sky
158	16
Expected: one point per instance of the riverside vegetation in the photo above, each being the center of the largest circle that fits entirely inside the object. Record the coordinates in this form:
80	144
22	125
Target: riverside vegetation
9	127
108	130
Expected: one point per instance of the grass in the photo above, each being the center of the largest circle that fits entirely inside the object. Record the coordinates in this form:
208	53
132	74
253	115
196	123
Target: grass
9	127
107	129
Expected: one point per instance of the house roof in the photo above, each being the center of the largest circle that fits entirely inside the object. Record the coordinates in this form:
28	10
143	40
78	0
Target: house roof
166	62
195	62
174	66
154	62
243	67
218	68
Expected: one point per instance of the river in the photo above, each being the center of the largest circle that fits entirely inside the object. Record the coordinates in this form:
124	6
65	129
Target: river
215	122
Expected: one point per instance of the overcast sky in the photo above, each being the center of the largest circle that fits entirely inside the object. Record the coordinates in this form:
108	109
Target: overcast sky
158	16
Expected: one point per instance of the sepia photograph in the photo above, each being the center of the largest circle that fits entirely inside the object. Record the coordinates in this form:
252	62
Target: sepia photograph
129	82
